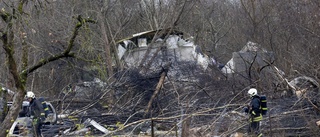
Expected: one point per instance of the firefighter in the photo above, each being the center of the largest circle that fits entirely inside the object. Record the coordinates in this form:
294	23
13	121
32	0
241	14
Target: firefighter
254	110
36	112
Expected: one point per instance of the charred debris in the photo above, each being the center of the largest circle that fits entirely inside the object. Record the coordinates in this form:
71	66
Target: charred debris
168	87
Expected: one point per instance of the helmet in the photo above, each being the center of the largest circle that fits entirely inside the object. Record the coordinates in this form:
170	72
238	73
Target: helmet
252	92
30	94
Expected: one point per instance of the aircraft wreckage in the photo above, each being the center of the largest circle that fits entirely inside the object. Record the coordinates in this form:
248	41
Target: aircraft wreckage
158	47
163	45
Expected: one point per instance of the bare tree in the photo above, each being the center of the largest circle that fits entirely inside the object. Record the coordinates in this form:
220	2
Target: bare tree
12	18
39	34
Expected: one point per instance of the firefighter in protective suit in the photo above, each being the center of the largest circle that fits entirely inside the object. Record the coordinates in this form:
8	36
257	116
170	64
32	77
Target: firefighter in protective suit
254	110
36	112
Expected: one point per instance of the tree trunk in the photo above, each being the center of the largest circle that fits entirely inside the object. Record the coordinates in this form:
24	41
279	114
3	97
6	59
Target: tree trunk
13	113
107	47
8	45
108	56
3	103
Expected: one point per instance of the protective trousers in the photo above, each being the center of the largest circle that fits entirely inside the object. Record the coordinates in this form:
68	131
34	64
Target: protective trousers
37	124
254	128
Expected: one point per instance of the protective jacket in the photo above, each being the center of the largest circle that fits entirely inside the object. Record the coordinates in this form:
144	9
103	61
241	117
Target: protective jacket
255	110
36	110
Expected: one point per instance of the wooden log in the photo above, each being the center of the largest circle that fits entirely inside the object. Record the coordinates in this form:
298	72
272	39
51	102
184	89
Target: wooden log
159	85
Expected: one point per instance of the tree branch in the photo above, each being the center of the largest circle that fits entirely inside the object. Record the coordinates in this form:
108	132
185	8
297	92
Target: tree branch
65	53
159	85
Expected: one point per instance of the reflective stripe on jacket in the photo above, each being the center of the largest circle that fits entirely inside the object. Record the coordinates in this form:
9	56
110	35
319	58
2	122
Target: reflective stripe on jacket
256	119
255	111
44	105
36	109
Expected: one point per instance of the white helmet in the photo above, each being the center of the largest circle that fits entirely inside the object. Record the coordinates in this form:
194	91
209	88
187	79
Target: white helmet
252	92
30	94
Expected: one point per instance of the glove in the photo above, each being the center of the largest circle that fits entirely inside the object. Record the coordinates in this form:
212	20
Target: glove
42	119
245	109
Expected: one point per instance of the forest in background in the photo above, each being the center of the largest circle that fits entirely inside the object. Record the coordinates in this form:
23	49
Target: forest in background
37	30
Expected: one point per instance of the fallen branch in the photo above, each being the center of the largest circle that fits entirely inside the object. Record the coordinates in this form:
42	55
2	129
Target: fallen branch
159	85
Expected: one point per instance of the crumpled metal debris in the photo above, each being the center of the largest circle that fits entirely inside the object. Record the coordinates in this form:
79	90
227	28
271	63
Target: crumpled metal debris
303	85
